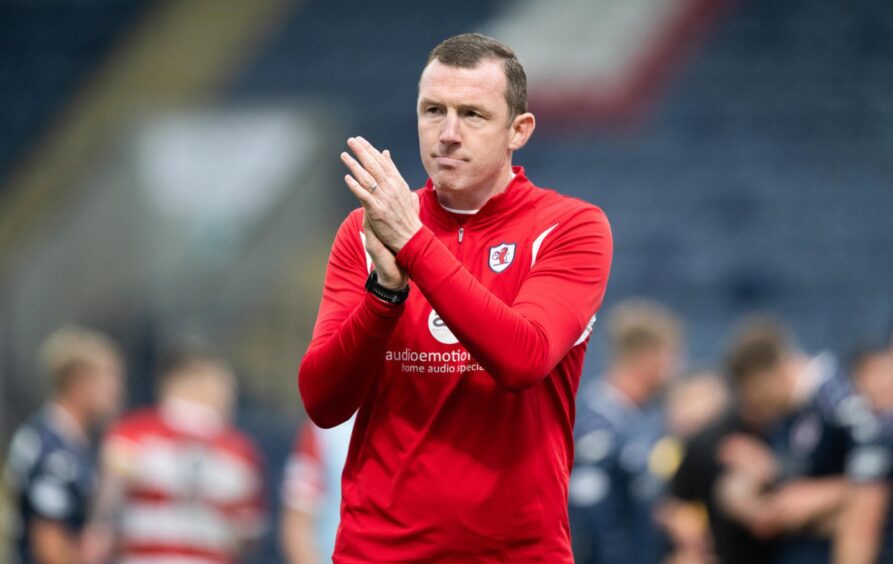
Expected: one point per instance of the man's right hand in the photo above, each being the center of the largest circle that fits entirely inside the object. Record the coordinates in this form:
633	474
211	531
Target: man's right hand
389	274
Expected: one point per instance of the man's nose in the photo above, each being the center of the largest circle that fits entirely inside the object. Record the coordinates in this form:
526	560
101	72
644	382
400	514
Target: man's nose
449	132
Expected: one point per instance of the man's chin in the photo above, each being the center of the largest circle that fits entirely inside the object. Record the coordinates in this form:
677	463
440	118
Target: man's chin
446	182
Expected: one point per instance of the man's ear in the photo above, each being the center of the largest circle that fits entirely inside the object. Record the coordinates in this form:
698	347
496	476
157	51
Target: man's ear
521	129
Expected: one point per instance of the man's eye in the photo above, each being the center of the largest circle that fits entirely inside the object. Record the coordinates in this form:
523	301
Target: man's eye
433	110
472	114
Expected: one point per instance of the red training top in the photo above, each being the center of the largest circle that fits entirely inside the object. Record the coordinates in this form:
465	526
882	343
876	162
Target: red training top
463	442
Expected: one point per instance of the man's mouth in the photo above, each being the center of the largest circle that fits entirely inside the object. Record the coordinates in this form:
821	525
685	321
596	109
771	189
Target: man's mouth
447	161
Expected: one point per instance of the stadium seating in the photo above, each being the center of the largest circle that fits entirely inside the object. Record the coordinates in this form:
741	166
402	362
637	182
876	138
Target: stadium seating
48	49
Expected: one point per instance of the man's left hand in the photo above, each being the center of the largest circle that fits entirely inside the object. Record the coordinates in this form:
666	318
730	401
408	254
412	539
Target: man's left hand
391	207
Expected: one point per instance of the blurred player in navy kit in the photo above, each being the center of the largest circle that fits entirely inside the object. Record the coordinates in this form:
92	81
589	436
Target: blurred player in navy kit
760	399
864	534
870	372
692	403
50	470
828	441
611	492
774	474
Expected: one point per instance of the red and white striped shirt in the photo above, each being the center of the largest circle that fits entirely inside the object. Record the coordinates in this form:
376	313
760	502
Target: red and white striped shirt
194	489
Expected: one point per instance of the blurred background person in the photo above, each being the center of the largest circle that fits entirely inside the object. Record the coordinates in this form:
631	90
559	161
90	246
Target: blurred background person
761	395
819	449
50	469
864	532
178	482
871	371
311	493
691	404
612	489
774	474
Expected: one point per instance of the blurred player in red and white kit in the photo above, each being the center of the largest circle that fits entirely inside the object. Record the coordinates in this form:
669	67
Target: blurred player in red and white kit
311	492
461	351
179	484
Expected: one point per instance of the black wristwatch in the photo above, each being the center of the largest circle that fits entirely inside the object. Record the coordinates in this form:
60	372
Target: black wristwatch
391	296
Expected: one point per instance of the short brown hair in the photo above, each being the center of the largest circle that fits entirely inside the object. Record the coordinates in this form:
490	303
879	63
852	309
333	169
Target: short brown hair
467	50
69	350
187	354
637	325
760	343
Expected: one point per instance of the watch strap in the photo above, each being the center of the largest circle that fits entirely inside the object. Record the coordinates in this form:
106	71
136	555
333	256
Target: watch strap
391	296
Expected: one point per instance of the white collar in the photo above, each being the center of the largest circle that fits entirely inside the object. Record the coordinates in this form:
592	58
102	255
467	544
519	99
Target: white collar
460	212
469	212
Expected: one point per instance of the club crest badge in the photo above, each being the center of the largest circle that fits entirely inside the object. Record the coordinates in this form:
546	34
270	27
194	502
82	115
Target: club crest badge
501	256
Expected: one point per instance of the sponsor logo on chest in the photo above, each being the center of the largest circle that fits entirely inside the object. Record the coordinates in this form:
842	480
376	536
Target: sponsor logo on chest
439	329
419	358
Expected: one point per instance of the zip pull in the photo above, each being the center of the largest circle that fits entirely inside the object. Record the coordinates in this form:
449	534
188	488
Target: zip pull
461	233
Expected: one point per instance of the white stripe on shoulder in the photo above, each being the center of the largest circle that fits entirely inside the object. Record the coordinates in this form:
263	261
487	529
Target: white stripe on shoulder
538	242
368	257
587	331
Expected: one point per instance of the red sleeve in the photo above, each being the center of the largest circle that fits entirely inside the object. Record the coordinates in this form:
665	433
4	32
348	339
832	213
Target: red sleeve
352	328
519	344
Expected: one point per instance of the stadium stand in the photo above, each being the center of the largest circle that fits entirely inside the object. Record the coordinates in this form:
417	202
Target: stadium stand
47	49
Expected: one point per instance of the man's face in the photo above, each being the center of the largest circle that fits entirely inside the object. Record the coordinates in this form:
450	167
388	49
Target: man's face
694	402
874	379
103	387
669	363
765	396
209	383
659	364
216	385
465	137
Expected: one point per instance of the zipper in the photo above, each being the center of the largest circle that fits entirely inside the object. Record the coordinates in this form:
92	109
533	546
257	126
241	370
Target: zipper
461	233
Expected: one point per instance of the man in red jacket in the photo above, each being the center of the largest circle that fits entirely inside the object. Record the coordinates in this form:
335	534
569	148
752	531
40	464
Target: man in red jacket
454	321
